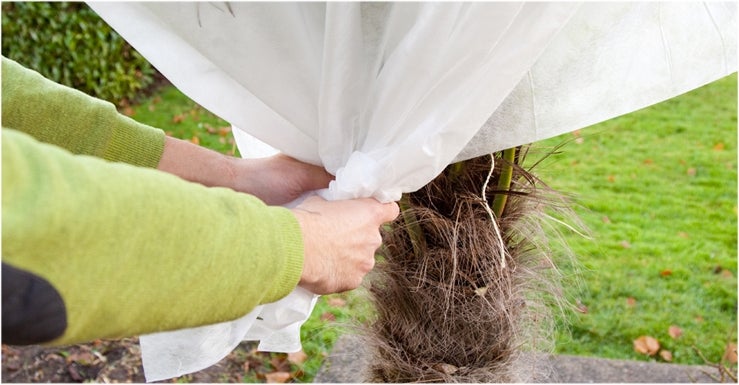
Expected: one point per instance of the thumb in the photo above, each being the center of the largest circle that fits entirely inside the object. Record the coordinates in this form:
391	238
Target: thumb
389	212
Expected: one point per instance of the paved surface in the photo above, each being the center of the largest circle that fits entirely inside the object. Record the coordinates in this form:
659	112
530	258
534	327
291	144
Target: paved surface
346	364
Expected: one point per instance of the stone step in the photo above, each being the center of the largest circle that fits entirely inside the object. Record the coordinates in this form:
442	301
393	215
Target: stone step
347	363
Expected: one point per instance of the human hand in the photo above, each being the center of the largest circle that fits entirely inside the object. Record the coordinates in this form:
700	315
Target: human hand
277	179
340	239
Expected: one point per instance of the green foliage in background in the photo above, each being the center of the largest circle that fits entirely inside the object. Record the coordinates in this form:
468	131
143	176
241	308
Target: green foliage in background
70	44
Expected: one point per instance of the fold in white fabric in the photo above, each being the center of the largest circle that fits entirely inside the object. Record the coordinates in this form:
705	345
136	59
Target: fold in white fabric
385	95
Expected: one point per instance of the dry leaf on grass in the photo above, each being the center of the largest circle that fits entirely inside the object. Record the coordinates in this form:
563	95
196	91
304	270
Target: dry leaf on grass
277	377
666	355
328	317
646	345
675	331
280	363
297	358
730	353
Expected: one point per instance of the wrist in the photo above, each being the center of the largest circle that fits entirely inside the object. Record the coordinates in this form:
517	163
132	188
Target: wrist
197	164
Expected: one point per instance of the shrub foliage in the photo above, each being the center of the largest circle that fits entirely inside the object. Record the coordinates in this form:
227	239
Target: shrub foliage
70	44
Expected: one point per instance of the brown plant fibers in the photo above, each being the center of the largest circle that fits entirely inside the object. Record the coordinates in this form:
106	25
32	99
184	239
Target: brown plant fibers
447	308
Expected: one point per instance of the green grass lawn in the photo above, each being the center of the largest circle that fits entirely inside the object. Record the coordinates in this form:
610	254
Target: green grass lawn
658	190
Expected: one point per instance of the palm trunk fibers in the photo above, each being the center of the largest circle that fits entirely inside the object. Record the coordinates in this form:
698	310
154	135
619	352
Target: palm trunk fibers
453	303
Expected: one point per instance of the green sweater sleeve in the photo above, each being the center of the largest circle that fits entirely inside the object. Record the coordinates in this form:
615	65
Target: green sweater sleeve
133	250
53	113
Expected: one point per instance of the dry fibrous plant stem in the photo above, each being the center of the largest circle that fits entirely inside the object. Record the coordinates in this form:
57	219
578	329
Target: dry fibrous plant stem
452	292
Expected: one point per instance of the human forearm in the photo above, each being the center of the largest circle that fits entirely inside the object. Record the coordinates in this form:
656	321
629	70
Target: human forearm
136	251
59	115
276	180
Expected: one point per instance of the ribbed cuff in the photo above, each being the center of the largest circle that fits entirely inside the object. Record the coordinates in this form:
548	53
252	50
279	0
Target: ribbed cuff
135	143
292	248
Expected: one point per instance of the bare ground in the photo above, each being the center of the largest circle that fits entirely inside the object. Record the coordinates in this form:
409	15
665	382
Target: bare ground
120	361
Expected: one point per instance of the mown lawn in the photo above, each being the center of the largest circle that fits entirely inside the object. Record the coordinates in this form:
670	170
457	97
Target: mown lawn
658	190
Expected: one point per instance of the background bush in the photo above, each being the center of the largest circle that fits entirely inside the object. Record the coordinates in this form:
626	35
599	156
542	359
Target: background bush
70	44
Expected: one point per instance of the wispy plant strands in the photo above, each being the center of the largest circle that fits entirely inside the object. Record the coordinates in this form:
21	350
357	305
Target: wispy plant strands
453	303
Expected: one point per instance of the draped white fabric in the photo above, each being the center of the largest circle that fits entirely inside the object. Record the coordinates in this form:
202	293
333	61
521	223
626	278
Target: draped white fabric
385	95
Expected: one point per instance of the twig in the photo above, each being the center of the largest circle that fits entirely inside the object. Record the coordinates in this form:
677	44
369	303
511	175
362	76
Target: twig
723	371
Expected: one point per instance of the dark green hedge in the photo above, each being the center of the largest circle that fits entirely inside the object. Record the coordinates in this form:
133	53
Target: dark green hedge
70	44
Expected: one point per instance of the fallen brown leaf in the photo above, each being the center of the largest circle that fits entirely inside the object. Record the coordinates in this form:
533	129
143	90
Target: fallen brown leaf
277	377
666	355
646	345
280	363
82	358
730	353
298	357
665	273
631	302
328	317
674	331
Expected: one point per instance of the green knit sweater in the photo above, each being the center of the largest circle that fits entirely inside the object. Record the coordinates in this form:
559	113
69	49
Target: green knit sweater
131	250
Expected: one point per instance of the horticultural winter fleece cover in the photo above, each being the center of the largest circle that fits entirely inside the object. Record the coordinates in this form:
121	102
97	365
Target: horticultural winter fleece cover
385	95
